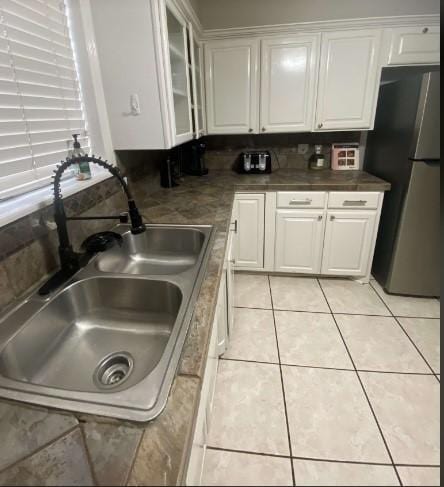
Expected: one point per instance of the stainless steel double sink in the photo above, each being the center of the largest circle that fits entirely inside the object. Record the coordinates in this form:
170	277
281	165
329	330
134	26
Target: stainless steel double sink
109	342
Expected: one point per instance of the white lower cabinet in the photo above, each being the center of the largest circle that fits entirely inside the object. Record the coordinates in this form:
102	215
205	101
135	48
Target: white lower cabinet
249	215
329	233
230	262
203	420
348	242
299	241
220	333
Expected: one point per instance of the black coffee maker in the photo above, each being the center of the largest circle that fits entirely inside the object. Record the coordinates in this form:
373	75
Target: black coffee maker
194	159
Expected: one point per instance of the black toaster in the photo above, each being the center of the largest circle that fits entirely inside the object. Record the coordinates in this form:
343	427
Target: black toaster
254	163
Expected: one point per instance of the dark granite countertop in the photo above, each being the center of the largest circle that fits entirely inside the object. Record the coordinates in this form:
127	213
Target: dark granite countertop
108	452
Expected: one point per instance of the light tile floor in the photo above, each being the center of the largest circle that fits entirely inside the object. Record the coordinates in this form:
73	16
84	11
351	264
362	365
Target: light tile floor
326	382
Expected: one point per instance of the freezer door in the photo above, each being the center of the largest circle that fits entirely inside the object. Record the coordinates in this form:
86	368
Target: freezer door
427	143
415	268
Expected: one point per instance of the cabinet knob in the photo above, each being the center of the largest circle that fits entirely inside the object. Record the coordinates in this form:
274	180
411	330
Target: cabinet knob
320	218
425	30
264	129
332	218
320	125
250	131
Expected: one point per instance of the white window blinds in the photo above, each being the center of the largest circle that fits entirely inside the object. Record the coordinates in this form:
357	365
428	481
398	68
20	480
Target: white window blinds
40	100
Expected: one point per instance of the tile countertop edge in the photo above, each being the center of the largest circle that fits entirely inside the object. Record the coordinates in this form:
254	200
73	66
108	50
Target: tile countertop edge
373	185
207	200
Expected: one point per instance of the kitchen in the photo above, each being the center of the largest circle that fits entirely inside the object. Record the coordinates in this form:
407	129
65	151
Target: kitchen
267	310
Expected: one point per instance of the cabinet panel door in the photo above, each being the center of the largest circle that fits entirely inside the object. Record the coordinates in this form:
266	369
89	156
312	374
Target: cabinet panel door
349	80
415	45
299	241
289	76
231	72
249	239
348	242
179	74
230	284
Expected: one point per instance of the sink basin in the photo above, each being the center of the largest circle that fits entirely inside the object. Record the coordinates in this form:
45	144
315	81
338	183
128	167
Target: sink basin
158	251
91	325
110	341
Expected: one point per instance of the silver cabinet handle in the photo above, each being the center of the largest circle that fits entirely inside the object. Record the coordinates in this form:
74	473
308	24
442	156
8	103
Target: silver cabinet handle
235	226
332	218
232	261
308	201
354	203
320	218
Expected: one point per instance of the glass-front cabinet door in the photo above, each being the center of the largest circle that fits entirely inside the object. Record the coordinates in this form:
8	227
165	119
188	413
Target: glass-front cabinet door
196	73
179	64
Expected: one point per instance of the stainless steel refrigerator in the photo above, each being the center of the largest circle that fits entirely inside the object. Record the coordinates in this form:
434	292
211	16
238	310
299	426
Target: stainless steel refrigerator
404	149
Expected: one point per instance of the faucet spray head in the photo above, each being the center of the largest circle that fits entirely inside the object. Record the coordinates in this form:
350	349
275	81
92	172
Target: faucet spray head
137	226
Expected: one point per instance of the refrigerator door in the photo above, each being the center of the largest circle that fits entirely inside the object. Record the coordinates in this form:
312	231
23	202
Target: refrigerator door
415	268
427	144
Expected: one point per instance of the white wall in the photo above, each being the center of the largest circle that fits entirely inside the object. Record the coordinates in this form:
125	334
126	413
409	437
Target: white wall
220	14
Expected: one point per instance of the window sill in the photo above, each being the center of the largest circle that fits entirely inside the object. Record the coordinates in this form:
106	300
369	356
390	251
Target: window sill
20	206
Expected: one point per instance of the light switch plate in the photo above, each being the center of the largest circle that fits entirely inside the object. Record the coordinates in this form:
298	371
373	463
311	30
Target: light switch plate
303	149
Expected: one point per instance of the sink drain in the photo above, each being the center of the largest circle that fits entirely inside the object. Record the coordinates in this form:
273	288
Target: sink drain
113	370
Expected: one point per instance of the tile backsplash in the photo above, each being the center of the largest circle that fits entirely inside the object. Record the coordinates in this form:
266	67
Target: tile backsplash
29	247
223	150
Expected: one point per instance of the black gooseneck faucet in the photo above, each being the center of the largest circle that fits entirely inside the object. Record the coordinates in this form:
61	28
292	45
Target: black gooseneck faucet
71	261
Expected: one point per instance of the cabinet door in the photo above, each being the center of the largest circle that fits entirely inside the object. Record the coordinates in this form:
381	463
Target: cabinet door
348	242
348	80
299	241
289	76
196	69
179	75
222	316
249	239
203	420
231	71
415	45
230	284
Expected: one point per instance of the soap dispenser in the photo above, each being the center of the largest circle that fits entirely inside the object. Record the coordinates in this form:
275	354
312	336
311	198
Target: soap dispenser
82	171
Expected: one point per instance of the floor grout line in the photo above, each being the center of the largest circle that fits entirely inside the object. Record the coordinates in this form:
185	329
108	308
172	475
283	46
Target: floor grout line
315	459
231	359
408	336
389	315
355	370
363	388
282	384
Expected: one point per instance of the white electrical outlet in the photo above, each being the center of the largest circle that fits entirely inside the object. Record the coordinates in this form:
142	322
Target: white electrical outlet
303	149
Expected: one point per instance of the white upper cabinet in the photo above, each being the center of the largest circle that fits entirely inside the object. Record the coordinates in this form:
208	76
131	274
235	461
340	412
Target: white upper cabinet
179	76
414	45
197	75
348	80
231	72
144	71
288	83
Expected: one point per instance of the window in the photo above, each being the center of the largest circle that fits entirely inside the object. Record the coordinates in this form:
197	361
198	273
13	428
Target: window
40	99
